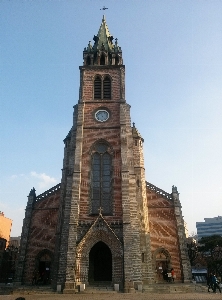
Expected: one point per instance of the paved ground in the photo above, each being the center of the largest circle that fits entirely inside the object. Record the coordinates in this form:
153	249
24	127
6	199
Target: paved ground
117	296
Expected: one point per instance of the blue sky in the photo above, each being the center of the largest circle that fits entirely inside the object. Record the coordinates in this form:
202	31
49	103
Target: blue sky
172	51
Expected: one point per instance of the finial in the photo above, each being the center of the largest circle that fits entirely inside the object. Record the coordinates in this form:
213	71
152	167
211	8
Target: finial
174	189
32	192
89	46
116	42
133	124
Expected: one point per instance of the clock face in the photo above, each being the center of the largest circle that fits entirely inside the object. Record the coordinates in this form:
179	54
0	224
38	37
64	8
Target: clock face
102	115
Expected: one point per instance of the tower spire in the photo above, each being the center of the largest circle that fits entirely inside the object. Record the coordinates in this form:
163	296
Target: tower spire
103	52
103	40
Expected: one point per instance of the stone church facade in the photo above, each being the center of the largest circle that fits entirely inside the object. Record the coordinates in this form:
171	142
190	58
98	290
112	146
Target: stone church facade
104	221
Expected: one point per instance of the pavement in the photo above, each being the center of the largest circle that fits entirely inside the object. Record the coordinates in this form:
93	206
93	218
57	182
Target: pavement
116	296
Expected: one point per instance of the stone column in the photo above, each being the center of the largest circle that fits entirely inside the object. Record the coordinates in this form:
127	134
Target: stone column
131	229
75	203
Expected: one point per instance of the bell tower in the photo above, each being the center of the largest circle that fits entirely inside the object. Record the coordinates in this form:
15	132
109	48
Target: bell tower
103	191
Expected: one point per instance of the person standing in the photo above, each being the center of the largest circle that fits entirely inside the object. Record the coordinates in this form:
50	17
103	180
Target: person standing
210	283
172	274
165	274
215	284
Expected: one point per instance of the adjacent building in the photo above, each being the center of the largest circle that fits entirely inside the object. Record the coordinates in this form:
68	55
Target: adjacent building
5	227
15	241
210	226
104	221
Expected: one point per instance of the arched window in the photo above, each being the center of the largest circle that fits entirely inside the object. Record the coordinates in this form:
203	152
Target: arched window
102	59
107	88
101	180
88	60
97	87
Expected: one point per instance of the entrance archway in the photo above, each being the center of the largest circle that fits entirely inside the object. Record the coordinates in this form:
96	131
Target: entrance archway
100	263
43	267
162	264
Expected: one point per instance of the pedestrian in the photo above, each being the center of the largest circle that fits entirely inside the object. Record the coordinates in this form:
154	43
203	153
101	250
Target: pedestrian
34	278
215	284
210	283
173	274
165	274
169	277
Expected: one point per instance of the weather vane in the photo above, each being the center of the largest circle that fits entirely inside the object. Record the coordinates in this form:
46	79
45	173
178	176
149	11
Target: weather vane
104	8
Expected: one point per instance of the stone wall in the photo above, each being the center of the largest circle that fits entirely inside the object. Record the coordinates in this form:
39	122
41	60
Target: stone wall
163	229
42	231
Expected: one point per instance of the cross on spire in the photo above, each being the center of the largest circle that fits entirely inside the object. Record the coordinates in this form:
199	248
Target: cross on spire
100	211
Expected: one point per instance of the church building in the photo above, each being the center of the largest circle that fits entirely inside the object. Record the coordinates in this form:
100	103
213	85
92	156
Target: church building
104	222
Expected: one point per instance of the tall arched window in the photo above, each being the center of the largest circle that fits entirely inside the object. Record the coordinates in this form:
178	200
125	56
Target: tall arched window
101	180
97	87
107	88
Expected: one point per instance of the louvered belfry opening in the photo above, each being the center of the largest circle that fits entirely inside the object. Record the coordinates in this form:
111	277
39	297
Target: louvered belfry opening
107	88
97	87
102	60
88	60
116	60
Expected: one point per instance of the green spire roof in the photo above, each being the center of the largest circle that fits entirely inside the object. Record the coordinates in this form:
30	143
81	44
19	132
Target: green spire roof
103	40
104	51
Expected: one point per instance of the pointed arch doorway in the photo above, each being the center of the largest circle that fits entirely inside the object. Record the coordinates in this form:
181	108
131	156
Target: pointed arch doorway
162	264
100	263
43	266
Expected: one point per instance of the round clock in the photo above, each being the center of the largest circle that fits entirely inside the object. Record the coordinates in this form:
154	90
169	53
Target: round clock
102	115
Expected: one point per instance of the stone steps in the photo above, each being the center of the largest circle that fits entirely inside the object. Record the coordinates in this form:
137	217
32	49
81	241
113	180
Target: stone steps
100	287
104	288
95	291
174	288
